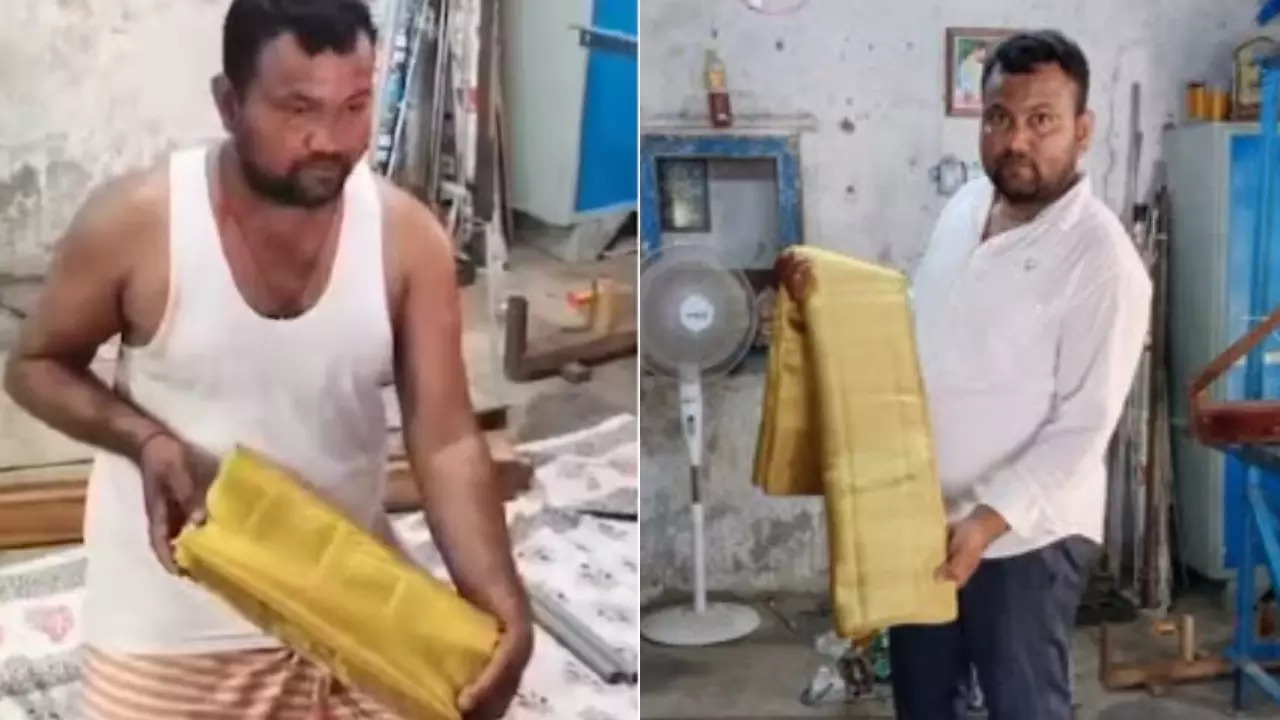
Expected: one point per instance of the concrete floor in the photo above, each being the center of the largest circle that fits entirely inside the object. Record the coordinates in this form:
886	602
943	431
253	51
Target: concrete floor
552	406
763	675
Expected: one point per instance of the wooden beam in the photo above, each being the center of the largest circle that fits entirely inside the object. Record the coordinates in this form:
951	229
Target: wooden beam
41	513
1158	675
1235	422
524	361
45	505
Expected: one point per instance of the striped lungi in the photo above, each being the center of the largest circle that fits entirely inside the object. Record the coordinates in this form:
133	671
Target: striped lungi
271	684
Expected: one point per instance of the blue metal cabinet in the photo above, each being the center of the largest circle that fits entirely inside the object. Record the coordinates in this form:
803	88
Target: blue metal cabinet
570	91
1214	176
607	156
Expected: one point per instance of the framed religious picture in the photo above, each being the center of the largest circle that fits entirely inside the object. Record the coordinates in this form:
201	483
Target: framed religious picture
1246	80
966	51
684	189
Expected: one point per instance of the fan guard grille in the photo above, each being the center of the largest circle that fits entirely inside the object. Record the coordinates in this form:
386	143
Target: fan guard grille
695	311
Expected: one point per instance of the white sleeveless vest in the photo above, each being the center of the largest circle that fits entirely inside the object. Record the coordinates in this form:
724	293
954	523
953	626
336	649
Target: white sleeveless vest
307	392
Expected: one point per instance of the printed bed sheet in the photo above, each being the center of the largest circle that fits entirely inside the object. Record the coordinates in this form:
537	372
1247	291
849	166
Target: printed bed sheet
587	563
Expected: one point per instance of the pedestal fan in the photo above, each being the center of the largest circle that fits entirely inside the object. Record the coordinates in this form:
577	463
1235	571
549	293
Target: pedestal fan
697	321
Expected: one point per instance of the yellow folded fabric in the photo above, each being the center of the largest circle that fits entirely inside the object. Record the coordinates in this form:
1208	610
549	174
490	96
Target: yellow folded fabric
845	417
301	570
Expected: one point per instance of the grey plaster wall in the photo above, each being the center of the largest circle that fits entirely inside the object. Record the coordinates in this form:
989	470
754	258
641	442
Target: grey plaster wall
90	88
868	76
753	543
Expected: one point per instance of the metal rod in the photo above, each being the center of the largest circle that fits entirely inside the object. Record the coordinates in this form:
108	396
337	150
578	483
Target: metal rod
580	640
699	559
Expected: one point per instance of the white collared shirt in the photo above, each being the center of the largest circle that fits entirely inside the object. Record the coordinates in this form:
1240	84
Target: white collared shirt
1028	344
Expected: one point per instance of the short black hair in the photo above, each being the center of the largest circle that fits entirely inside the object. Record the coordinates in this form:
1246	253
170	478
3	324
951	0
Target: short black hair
319	26
1022	53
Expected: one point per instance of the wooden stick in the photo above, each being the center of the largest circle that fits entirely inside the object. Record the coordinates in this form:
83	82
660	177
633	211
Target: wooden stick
1187	638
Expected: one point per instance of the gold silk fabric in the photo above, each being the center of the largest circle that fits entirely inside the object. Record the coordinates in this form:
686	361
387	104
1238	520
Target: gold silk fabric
845	417
303	572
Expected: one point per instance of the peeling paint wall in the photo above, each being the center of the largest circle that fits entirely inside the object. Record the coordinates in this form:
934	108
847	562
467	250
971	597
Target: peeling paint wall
91	88
870	76
753	543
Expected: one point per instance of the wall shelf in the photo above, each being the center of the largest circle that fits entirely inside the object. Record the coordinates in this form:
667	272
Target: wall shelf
745	141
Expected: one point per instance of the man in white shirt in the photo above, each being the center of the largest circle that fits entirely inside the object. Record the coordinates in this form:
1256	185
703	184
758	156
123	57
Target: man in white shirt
1032	308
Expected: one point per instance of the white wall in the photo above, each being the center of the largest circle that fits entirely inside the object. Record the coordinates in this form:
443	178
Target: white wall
92	87
879	65
870	73
89	88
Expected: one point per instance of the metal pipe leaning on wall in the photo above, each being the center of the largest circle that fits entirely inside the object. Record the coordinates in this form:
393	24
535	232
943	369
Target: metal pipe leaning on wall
580	640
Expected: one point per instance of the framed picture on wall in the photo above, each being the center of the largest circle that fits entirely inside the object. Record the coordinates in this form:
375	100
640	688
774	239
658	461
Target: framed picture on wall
1246	81
685	193
966	51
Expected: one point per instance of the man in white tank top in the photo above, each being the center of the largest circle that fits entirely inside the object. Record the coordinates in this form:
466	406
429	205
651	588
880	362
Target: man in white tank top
265	290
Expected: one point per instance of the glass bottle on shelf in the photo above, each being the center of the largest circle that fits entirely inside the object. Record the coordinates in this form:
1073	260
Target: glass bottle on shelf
718	106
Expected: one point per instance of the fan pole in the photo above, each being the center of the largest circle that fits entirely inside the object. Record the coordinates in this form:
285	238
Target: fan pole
699	543
691	414
705	623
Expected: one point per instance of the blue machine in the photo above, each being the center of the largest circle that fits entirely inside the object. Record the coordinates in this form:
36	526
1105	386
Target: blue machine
1215	183
1268	11
1259	527
1250	502
1252	523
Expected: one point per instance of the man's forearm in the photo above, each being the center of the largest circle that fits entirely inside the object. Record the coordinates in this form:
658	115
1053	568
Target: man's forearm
464	508
77	403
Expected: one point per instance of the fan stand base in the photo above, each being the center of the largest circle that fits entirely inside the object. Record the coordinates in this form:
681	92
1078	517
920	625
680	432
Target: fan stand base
682	625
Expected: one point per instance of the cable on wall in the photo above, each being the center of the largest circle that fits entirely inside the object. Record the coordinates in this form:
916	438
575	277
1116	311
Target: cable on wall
758	6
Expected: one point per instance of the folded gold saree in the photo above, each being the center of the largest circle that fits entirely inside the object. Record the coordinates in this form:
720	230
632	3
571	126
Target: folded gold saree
845	417
302	571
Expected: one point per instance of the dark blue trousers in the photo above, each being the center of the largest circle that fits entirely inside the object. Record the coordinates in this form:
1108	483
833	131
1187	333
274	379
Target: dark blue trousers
1017	617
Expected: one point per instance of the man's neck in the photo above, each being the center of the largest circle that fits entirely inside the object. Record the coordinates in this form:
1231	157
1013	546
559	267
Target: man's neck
1006	215
259	217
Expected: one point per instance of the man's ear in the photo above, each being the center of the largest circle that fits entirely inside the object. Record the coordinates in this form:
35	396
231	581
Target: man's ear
1084	130
225	99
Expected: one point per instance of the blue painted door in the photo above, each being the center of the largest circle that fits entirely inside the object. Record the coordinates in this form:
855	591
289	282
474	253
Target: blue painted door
1245	154
607	157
